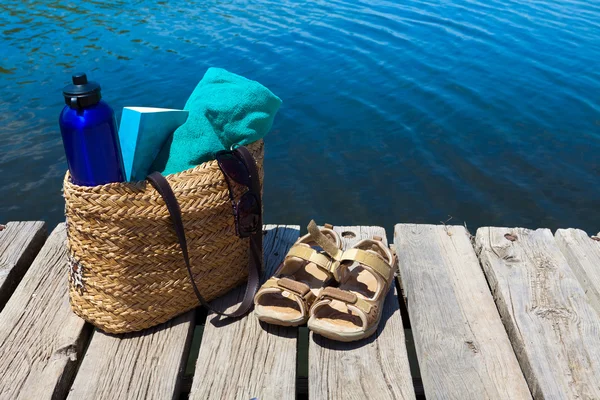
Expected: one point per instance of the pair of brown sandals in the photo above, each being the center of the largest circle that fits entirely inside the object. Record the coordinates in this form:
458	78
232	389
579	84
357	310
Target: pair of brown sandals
338	293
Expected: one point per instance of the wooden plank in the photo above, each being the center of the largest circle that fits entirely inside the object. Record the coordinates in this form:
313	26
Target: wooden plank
19	244
462	347
40	337
244	358
140	365
373	368
552	326
583	255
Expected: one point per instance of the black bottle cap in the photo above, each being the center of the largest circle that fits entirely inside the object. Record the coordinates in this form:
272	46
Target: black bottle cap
81	93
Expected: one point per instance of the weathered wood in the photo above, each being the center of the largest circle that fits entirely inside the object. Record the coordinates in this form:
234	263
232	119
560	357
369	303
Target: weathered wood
19	244
373	368
141	365
583	255
462	347
245	358
552	326
41	340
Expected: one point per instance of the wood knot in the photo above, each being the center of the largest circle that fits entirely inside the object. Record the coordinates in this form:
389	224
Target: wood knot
2	227
553	313
348	235
65	352
510	236
472	346
596	238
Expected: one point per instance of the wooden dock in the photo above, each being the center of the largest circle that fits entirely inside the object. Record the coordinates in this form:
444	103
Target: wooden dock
504	314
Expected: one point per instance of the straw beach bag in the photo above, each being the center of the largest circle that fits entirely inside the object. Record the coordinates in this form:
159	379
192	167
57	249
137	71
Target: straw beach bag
127	263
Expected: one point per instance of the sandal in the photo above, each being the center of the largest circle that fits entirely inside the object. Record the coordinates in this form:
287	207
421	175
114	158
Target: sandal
352	310
286	298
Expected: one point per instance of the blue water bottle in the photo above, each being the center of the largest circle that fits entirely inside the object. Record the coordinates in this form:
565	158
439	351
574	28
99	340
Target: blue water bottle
89	133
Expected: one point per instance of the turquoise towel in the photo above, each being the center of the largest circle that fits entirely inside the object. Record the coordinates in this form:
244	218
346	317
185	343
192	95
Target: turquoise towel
225	109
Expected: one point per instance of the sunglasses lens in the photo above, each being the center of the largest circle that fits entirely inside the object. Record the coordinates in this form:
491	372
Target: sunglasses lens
234	168
248	214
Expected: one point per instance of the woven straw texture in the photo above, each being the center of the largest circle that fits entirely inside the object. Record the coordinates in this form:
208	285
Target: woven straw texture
126	269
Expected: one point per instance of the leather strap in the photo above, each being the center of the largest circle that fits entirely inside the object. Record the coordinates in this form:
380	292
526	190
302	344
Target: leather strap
300	288
339	294
326	244
254	266
345	296
311	255
371	260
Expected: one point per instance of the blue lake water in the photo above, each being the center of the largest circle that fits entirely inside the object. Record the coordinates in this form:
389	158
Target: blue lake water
408	111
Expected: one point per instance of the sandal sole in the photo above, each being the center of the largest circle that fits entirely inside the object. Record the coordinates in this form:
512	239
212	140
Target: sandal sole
340	337
274	321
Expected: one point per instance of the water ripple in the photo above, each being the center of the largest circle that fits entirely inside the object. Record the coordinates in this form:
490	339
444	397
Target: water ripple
404	111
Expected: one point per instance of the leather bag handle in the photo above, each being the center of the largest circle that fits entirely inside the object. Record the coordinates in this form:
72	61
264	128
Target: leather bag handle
254	265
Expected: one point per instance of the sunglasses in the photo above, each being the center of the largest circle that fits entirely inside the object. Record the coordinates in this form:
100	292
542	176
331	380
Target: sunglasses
247	210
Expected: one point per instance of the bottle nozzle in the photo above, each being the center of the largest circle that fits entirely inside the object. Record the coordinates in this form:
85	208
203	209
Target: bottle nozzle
80	78
81	93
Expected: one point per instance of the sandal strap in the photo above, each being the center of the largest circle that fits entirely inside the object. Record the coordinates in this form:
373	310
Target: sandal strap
300	289
346	297
311	255
371	260
323	241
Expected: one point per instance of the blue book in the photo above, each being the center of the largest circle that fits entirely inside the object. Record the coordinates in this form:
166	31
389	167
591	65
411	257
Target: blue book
142	133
